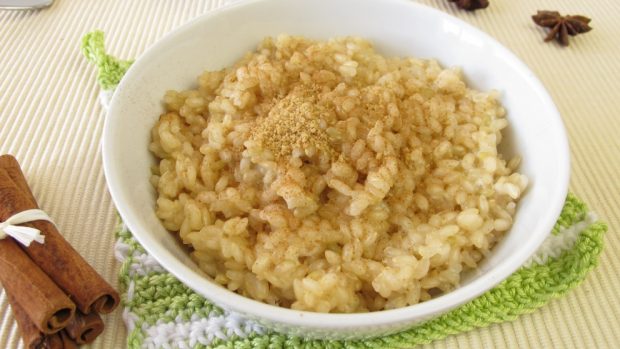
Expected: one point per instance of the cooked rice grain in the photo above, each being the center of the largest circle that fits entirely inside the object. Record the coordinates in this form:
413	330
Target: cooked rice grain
402	190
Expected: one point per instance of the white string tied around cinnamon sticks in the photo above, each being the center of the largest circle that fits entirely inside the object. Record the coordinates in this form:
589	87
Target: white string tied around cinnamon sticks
24	235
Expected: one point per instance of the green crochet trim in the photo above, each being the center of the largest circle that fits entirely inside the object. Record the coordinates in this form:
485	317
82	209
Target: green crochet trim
159	298
573	211
111	69
163	297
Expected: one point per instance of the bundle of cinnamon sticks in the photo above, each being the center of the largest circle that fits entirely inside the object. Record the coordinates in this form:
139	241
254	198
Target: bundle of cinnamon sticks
55	295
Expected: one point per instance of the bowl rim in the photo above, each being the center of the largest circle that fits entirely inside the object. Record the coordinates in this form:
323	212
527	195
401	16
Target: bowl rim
233	301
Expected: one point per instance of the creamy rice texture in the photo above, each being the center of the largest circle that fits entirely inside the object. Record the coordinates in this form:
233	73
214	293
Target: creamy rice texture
323	176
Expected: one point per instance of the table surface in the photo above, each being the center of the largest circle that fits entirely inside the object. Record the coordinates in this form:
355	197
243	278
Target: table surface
51	120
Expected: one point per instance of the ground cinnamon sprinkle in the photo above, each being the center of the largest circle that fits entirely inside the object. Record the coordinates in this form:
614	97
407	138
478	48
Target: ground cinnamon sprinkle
295	122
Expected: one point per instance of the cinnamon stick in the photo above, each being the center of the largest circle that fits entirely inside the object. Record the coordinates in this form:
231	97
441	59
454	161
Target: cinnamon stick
46	305
60	260
32	337
67	342
84	328
53	341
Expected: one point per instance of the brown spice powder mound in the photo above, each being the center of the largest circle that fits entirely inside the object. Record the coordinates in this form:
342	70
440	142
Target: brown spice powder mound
294	122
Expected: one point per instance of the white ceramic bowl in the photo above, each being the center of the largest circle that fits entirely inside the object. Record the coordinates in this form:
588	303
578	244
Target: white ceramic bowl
217	39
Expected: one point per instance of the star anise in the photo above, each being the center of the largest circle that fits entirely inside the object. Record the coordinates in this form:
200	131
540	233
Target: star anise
471	5
561	26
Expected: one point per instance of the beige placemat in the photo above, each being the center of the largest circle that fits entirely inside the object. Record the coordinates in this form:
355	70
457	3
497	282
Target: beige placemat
51	120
